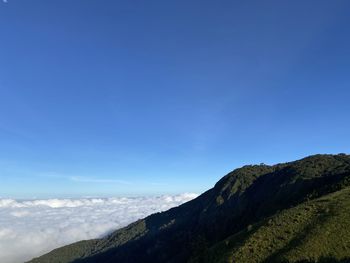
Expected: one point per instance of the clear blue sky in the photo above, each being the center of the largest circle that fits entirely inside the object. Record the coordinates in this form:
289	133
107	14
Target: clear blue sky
151	97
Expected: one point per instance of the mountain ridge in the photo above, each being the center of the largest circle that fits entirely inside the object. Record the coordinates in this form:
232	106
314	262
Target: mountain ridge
242	199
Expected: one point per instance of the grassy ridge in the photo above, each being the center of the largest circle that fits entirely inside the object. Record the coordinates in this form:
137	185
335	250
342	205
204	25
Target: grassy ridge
313	231
290	212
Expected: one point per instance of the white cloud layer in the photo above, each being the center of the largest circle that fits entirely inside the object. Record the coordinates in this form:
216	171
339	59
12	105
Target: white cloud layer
31	228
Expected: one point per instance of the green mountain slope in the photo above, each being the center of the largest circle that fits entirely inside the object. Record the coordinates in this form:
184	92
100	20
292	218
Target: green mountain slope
314	230
283	213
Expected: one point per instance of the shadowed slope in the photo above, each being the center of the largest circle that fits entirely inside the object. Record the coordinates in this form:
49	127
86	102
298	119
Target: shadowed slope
244	197
311	231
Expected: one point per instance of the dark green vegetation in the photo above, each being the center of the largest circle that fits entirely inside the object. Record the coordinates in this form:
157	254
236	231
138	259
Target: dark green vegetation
291	212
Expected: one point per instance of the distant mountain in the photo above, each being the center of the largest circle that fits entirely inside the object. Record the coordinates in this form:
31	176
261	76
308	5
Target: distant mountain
291	212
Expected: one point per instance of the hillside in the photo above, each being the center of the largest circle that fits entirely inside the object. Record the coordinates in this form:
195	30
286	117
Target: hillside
290	212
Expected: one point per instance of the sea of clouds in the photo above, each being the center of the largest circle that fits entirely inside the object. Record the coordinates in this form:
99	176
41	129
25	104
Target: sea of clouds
34	227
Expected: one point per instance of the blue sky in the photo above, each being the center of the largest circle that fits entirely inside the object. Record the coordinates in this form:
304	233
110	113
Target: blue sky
150	97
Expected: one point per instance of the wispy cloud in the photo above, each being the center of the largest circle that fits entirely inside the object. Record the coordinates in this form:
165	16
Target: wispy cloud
85	179
97	180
